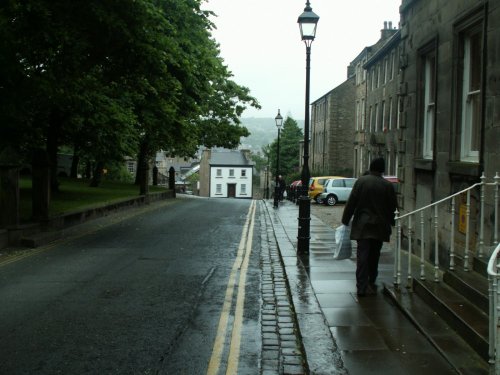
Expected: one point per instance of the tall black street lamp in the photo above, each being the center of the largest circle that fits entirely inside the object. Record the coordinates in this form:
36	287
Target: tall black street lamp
308	21
279	122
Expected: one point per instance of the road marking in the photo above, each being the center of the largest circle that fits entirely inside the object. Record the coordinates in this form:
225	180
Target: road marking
234	351
241	261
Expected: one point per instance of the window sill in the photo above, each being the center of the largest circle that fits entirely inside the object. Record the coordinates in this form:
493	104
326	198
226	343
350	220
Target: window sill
425	164
464	168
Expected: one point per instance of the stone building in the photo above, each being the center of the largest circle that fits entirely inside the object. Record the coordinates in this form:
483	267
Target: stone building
332	131
449	101
377	136
338	119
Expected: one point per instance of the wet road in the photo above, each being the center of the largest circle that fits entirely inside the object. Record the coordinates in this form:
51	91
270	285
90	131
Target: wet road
154	293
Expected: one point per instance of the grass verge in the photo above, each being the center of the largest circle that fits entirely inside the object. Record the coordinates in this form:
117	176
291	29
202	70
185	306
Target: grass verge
76	194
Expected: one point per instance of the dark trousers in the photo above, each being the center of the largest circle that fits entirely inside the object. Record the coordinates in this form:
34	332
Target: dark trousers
368	255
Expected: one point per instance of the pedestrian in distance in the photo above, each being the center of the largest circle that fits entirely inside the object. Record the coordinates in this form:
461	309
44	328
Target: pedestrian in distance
281	187
373	204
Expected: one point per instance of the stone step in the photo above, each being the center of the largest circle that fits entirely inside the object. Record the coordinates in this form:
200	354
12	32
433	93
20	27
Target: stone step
469	321
452	346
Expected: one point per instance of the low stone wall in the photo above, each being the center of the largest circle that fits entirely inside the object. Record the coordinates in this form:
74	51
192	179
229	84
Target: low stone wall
23	233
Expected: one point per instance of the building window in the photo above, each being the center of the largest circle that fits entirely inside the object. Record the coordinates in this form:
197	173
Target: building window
470	97
362	114
243	189
376	117
429	105
130	167
392	65
358	114
219	173
383	124
370	119
218	189
386	70
390	114
243	173
231	173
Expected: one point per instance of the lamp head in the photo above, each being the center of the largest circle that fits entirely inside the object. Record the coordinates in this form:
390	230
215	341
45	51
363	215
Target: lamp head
308	21
279	120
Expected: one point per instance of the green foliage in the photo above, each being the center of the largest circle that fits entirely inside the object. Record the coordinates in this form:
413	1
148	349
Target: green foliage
290	138
76	195
110	77
117	171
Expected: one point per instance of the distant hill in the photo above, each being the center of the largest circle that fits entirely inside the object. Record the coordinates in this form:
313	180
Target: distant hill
263	131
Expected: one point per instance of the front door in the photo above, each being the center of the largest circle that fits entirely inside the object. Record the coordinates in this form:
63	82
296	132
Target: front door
231	190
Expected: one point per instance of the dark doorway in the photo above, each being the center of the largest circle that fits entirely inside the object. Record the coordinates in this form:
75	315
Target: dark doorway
231	190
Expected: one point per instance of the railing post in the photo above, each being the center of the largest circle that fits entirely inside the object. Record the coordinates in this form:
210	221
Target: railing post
452	236
481	224
409	276
397	271
495	233
467	223
422	247
436	245
492	290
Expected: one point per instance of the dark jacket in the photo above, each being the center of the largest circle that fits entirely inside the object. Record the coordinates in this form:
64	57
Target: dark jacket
373	203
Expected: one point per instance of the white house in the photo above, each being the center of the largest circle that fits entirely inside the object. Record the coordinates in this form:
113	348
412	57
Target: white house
226	174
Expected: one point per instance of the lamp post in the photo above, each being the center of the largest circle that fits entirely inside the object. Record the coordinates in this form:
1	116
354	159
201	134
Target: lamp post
308	21
279	122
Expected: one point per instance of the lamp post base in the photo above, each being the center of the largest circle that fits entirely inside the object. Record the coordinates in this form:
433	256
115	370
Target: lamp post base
304	225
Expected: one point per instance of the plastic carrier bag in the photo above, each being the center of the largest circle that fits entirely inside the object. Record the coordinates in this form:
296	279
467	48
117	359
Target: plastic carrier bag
343	250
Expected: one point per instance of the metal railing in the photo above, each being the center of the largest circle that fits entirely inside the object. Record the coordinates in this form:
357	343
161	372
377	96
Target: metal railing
494	308
416	220
425	238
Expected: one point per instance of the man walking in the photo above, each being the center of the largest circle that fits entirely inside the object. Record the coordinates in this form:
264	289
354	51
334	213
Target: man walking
373	203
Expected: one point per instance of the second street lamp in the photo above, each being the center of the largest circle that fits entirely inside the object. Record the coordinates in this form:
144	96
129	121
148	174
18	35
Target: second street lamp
308	21
277	187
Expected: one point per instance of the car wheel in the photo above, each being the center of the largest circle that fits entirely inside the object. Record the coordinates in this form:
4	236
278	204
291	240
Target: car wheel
318	199
331	200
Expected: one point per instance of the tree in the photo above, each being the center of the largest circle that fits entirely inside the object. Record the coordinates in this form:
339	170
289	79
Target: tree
114	78
290	138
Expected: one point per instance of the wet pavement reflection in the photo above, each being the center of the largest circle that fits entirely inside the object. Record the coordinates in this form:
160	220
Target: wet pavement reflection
341	332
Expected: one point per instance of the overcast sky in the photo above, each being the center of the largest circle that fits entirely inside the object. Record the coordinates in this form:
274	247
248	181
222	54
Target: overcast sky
260	43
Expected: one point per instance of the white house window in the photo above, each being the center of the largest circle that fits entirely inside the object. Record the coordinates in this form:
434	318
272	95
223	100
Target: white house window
471	95
231	173
218	189
243	189
383	124
376	117
219	173
429	108
243	173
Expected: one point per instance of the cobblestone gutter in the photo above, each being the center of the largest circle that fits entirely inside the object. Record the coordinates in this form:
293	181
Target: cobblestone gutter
282	349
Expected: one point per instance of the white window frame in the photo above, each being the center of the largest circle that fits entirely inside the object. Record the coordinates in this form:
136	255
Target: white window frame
219	172
471	105
362	114
231	173
429	107
243	189
218	189
390	114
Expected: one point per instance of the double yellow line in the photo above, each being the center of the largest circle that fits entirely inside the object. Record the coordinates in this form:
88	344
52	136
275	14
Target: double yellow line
240	266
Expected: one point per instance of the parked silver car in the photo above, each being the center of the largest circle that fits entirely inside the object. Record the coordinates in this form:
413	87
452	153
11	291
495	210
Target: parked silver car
336	190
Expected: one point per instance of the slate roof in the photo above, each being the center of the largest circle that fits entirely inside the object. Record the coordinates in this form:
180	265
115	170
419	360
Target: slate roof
229	157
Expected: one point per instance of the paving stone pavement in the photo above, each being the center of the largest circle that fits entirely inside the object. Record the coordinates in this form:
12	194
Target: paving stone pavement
338	333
